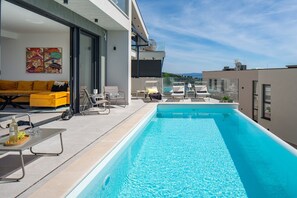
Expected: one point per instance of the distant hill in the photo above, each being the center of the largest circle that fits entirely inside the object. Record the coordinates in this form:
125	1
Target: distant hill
165	74
194	75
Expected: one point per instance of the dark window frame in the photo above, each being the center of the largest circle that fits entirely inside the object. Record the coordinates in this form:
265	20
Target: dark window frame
222	85
265	102
255	94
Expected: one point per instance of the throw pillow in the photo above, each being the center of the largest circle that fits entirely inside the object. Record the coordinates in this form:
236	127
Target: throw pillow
59	86
152	90
25	85
8	85
40	85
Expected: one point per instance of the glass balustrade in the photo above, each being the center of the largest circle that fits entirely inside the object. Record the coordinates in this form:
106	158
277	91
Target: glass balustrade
122	4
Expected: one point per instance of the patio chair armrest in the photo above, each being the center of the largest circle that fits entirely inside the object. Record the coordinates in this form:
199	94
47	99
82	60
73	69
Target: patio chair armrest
122	93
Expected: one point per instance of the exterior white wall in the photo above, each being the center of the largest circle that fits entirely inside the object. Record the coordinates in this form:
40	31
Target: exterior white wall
283	121
118	70
13	53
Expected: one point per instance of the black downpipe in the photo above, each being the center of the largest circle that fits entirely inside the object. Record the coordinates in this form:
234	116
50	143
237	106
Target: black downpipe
74	70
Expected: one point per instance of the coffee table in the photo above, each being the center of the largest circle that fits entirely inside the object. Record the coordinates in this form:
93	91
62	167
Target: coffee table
42	135
8	100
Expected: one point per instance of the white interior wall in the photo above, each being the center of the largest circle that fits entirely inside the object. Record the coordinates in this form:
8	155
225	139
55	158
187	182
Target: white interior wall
118	70
13	62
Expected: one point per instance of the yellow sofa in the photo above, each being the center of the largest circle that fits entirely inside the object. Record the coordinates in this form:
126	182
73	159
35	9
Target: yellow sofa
36	93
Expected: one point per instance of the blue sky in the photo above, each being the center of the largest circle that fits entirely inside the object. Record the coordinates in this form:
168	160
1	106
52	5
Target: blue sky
201	35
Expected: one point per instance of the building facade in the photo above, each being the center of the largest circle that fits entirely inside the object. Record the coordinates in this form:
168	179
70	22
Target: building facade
268	96
93	35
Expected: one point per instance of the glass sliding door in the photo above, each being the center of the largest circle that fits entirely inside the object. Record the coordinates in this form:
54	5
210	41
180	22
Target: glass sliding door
88	67
86	63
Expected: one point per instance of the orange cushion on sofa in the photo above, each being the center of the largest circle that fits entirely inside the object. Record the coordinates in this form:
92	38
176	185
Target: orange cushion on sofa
25	85
40	85
50	85
8	85
49	95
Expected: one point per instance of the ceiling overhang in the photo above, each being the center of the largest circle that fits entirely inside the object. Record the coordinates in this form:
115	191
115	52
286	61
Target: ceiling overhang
138	22
16	20
104	13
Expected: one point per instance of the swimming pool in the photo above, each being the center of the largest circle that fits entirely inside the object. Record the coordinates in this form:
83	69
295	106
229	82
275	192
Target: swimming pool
195	151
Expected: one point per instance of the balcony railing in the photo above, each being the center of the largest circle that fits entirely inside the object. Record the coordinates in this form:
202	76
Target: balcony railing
122	5
219	88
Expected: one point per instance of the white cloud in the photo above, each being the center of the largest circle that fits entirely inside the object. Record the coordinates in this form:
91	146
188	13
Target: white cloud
260	32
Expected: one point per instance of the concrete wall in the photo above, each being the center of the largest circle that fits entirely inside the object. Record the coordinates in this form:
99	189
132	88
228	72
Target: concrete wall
245	87
13	54
283	121
118	70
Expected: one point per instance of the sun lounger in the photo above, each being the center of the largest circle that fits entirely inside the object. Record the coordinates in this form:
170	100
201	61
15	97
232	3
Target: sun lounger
201	91
178	90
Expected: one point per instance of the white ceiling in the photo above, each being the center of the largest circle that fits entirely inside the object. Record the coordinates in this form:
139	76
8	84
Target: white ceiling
19	20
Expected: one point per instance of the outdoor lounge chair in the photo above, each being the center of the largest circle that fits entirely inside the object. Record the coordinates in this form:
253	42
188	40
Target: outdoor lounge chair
201	91
178	90
151	90
113	93
93	102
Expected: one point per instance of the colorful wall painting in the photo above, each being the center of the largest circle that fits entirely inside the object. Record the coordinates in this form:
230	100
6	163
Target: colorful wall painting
34	60
44	60
53	60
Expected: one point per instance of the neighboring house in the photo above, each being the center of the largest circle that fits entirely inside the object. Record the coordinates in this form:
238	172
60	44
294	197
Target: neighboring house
147	66
268	96
147	62
94	36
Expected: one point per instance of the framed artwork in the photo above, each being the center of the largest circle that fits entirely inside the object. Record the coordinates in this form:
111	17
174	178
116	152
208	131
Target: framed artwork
44	60
53	60
34	60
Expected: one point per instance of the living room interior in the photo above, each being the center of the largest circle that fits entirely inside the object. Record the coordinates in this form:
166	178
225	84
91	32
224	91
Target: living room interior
23	33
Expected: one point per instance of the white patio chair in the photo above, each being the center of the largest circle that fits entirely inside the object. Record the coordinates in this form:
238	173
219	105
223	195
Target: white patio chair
113	93
93	102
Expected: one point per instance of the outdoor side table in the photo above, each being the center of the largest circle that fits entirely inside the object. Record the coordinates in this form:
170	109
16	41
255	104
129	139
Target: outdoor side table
190	94
42	135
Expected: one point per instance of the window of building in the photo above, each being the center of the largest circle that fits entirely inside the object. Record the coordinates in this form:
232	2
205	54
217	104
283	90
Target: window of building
215	84
222	85
210	83
266	109
255	100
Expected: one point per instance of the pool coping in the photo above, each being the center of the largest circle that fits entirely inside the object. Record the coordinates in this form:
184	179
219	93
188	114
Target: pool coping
62	183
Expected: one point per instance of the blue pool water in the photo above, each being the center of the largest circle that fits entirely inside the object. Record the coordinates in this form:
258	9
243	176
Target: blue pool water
189	151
